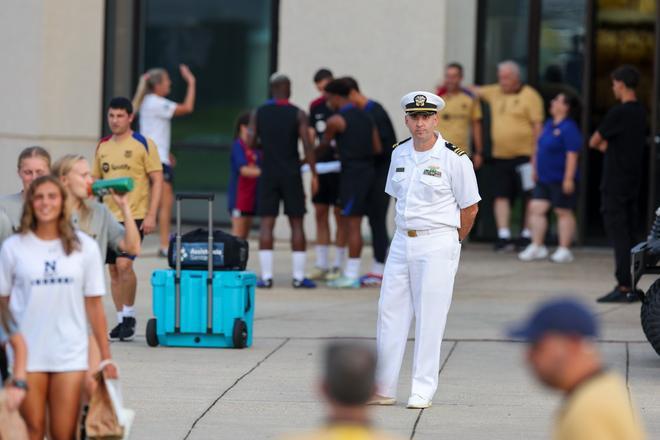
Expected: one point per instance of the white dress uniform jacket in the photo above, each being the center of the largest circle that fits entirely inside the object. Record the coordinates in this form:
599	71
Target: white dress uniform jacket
430	190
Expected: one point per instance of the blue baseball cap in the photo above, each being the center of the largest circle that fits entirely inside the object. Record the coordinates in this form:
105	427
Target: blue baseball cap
564	316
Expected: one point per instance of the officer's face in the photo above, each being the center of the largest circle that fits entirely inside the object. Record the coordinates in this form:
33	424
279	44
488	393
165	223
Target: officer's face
421	125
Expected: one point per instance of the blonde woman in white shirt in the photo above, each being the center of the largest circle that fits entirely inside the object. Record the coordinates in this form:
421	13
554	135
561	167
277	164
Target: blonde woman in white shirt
54	275
156	113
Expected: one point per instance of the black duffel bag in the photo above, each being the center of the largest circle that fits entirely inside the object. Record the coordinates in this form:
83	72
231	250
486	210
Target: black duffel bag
229	252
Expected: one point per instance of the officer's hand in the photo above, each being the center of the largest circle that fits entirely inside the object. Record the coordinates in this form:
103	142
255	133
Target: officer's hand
568	186
477	160
315	184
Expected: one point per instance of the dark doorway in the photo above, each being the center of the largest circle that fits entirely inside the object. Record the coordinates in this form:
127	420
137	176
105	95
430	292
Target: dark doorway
622	32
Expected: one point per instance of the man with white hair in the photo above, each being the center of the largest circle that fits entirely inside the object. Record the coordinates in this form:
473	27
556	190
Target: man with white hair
516	122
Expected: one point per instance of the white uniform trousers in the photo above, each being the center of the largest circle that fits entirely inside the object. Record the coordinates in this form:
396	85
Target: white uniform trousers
418	281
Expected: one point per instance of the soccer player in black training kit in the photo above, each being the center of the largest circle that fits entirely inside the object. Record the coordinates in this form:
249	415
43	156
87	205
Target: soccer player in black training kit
621	136
328	193
379	200
357	143
276	127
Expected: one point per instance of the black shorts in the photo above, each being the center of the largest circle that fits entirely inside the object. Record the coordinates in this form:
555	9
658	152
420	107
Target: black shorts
355	187
168	174
506	182
274	189
111	256
554	193
328	193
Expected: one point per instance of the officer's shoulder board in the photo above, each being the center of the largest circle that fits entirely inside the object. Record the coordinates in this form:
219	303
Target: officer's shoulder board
401	142
455	149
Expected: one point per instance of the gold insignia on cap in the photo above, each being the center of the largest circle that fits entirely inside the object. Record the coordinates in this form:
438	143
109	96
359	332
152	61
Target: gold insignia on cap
420	100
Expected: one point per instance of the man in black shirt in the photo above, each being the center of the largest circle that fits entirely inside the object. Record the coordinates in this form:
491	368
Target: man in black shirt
621	136
357	143
328	193
276	127
379	199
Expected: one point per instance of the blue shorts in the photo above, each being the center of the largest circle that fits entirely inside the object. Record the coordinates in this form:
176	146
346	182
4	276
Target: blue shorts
554	193
168	174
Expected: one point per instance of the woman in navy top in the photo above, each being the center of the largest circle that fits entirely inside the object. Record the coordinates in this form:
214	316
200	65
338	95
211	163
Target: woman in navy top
555	166
243	178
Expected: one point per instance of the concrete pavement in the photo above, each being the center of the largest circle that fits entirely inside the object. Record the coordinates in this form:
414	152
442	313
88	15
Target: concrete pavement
485	391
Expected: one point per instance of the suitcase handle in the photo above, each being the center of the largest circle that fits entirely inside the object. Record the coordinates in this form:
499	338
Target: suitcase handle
248	303
195	196
177	280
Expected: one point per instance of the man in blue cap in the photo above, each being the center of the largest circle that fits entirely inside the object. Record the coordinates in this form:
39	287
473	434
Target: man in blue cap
562	352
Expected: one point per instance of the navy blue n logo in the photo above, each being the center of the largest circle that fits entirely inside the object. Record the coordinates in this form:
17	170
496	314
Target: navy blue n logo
50	268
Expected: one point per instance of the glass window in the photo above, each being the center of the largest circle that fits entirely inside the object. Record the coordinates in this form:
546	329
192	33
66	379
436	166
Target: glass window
227	45
504	36
561	51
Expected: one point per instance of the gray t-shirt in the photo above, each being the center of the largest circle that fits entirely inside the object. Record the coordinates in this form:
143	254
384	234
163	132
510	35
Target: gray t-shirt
13	207
11	210
103	227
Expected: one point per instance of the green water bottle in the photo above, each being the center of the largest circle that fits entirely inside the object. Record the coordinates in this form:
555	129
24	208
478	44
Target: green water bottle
102	188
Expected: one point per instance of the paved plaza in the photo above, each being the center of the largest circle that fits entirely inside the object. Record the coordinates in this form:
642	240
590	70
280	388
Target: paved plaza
484	393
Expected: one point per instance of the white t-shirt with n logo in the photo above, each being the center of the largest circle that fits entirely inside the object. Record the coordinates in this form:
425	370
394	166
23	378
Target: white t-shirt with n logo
48	290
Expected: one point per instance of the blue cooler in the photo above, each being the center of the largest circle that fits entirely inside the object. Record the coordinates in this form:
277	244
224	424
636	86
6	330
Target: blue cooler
201	308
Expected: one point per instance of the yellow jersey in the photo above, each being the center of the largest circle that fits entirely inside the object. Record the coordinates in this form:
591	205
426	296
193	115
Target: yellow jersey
344	432
455	120
599	409
512	117
134	157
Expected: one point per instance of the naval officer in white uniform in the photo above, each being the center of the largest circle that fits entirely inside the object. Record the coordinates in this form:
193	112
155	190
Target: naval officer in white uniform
436	195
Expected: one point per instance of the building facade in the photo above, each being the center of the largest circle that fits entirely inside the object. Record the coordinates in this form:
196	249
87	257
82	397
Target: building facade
65	59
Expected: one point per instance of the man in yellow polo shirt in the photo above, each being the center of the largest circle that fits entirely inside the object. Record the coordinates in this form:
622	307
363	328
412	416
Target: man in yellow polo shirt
461	115
128	154
516	112
347	385
563	355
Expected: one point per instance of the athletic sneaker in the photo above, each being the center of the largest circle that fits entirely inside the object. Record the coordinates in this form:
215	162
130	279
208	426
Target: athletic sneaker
127	330
522	243
503	244
333	274
114	333
533	252
619	296
562	255
318	274
162	253
344	282
371	280
305	283
264	283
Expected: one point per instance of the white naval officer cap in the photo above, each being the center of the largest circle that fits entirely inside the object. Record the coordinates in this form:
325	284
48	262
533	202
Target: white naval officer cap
421	101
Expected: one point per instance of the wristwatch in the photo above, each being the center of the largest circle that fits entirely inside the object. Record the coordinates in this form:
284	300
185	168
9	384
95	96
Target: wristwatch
21	384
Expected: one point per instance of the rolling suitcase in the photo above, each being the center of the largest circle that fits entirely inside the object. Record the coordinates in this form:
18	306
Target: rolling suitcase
201	308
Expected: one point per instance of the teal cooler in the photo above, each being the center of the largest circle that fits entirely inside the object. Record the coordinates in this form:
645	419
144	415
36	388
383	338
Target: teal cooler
232	310
201	308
